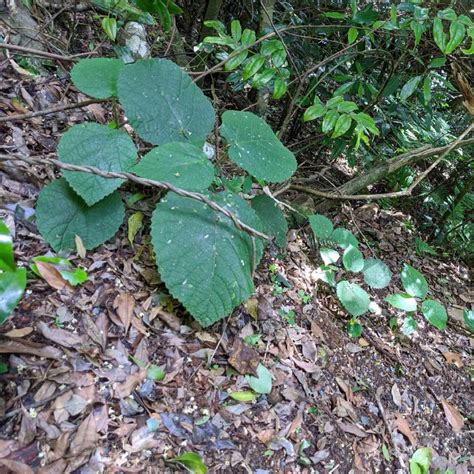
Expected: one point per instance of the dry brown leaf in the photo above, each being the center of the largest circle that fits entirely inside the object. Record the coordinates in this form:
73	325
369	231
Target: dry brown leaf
243	358
56	467
125	389
60	336
346	388
124	303
27	429
264	436
16	467
251	306
352	429
169	318
24	347
317	331
453	358
81	249
86	436
93	331
456	420
309	367
52	276
396	396
22	332
404	428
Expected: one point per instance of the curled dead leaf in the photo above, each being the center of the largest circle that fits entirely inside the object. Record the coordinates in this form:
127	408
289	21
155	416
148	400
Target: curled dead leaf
453	358
52	276
22	332
455	419
124	303
404	428
243	358
125	389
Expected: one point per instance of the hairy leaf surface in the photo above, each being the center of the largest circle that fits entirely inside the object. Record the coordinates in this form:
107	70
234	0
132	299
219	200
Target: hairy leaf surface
181	164
163	104
255	147
204	260
92	144
61	215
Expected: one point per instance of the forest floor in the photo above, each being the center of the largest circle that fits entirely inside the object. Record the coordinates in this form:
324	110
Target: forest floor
73	399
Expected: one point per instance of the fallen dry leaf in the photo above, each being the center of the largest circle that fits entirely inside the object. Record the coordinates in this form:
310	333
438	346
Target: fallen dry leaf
352	429
243	358
404	428
86	436
264	436
60	336
125	389
23	347
93	331
22	332
396	396
453	358
16	467
124	303
52	276
251	306
169	318
456	420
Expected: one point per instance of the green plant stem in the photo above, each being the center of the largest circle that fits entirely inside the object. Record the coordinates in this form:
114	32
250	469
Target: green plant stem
41	160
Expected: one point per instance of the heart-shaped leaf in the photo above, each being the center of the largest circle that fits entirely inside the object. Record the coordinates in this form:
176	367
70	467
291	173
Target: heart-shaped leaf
353	259
262	383
414	282
435	313
163	104
255	147
181	164
402	301
92	144
376	273
321	226
354	299
7	261
61	215
97	77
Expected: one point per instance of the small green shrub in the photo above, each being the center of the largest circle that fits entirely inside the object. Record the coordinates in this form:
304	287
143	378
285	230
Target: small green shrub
203	259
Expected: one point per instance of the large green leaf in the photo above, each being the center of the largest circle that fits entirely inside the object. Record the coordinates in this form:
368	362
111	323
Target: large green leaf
61	215
92	144
344	238
255	148
376	273
321	226
402	301
353	259
435	313
354	299
204	260
262	383
163	104
414	282
97	77
7	262
12	286
181	164
273	220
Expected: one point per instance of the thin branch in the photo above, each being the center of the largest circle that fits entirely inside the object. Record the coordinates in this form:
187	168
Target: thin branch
52	110
41	160
423	152
36	52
